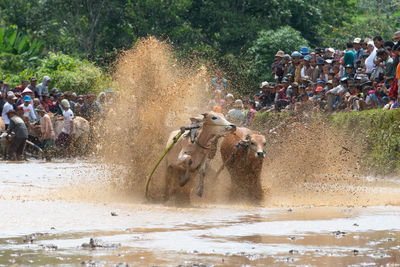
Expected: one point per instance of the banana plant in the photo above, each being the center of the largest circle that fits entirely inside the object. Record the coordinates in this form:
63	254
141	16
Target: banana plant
15	42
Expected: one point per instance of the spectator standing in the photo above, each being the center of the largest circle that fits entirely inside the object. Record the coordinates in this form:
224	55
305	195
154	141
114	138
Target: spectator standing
358	49
47	132
18	126
369	62
8	106
349	56
65	137
28	108
47	103
43	87
33	86
236	114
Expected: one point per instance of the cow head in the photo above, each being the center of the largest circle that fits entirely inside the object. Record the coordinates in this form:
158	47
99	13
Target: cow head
214	123
257	143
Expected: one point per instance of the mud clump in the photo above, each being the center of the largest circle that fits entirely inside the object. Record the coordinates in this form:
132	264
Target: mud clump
96	243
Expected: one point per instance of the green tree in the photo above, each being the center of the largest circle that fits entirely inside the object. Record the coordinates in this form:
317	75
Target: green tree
268	43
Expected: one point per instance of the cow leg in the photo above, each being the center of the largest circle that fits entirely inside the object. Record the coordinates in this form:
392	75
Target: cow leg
200	188
186	178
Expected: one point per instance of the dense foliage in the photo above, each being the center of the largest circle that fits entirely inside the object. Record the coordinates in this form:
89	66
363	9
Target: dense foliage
234	34
285	38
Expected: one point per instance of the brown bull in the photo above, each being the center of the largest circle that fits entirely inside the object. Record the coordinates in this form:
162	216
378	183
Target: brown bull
243	153
190	153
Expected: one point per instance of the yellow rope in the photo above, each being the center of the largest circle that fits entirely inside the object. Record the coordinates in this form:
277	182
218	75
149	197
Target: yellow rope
148	178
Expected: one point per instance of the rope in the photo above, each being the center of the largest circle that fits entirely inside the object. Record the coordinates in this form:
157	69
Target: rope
175	139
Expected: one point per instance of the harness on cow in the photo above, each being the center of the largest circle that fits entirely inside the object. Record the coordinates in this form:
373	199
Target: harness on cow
244	144
193	130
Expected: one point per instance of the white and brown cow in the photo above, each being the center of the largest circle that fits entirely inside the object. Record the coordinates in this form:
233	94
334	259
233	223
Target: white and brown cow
190	153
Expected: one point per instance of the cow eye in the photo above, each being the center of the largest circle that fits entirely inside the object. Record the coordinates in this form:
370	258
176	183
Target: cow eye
265	144
252	143
214	118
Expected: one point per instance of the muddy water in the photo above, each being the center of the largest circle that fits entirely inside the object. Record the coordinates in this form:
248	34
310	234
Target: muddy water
48	210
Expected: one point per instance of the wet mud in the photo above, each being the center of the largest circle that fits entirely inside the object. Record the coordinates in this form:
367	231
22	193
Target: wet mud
47	218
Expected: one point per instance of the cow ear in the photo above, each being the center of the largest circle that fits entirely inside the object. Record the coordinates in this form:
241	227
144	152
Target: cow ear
196	119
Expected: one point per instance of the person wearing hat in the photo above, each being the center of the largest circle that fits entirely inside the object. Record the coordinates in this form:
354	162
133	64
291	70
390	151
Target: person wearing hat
9	105
17	125
307	69
56	108
65	137
278	65
304	51
28	108
318	70
296	66
26	91
236	114
369	61
47	132
349	71
358	49
46	102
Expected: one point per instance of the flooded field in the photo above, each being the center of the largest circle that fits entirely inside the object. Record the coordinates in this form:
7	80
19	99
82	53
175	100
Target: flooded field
51	211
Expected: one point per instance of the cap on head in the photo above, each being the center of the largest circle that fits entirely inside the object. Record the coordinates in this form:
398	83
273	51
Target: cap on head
65	103
40	108
330	49
27	91
304	50
396	36
296	54
264	84
357	40
280	53
27	98
320	61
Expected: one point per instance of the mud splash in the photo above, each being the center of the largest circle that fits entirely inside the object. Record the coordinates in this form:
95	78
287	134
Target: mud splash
311	164
156	94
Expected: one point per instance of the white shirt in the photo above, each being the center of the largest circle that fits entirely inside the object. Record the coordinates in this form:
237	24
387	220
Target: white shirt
28	111
68	116
6	108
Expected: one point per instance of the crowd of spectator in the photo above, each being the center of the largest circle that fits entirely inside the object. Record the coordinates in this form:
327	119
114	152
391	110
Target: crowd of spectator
29	104
365	75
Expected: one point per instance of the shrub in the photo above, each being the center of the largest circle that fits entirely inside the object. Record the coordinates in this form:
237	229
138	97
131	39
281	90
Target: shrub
268	43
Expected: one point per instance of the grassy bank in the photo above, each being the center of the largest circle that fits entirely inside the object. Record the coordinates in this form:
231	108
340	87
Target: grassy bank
378	133
375	132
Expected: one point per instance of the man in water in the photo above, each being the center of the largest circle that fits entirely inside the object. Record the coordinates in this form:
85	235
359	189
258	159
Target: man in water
65	137
17	126
11	98
46	128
